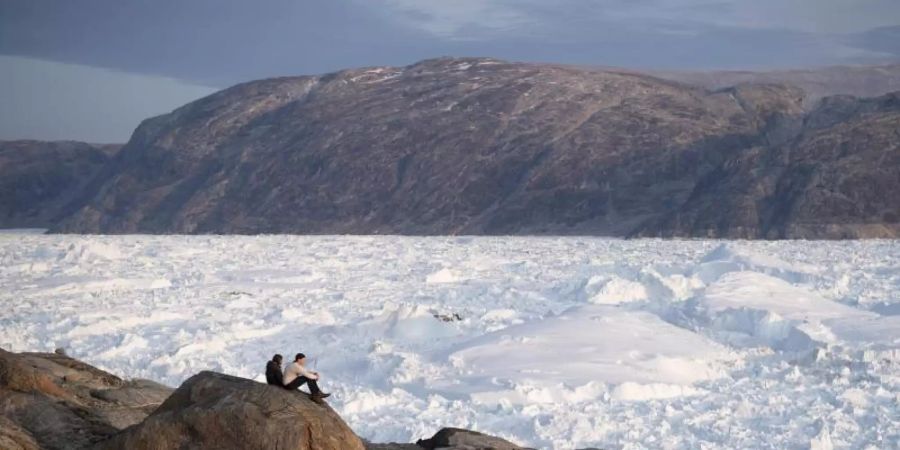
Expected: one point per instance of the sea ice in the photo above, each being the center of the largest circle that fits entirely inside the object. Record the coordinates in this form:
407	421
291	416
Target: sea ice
552	342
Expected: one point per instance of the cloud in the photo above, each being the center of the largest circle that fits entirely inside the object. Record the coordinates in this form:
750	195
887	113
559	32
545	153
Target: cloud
884	40
451	18
216	42
222	42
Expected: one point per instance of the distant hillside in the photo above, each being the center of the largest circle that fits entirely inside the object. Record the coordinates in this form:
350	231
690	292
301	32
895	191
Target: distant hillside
860	81
480	146
38	178
833	178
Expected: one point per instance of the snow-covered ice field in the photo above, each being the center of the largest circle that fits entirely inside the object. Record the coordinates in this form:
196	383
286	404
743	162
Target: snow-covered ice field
551	342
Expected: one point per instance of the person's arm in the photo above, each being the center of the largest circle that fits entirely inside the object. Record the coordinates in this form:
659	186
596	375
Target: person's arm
309	373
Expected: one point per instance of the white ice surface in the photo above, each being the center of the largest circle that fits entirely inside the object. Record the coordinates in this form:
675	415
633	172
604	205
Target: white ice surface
551	342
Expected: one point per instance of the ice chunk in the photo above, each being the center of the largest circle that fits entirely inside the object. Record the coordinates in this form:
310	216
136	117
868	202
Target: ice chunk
768	311
594	343
733	258
442	276
617	291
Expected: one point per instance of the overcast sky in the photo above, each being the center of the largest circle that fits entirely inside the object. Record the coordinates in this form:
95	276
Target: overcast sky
176	50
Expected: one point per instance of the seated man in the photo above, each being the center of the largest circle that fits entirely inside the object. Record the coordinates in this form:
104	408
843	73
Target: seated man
273	371
296	373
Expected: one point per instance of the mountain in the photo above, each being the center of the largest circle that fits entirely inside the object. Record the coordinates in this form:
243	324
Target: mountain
481	146
38	178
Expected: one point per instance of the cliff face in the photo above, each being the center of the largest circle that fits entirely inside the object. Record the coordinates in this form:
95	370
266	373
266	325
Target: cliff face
480	146
38	178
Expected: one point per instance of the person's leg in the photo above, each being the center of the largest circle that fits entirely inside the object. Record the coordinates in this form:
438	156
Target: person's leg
314	390
313	386
295	383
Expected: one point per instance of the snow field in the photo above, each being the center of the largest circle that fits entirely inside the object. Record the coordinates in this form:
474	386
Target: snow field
551	342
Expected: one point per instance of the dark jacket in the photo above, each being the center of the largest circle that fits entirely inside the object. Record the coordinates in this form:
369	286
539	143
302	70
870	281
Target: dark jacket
273	374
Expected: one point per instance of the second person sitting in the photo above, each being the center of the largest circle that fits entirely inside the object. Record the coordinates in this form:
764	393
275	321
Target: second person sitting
296	374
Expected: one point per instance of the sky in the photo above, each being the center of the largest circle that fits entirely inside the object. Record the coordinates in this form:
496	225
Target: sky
146	57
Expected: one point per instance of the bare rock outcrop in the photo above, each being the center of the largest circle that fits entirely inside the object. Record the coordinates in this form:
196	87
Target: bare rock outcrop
51	401
216	411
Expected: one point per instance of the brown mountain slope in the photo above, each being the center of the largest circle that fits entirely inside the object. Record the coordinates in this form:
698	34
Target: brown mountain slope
473	146
38	178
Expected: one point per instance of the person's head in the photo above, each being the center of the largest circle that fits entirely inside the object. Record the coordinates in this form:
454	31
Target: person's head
277	358
300	358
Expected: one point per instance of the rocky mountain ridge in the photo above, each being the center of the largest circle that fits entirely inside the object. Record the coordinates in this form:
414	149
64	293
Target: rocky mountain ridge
482	146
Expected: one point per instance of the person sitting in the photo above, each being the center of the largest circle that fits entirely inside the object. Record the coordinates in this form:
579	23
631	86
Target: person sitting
273	371
296	374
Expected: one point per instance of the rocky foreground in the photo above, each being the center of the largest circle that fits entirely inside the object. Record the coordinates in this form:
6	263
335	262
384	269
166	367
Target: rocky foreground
51	401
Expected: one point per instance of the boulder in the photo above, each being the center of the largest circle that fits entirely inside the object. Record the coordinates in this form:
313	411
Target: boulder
452	439
460	439
216	411
51	401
